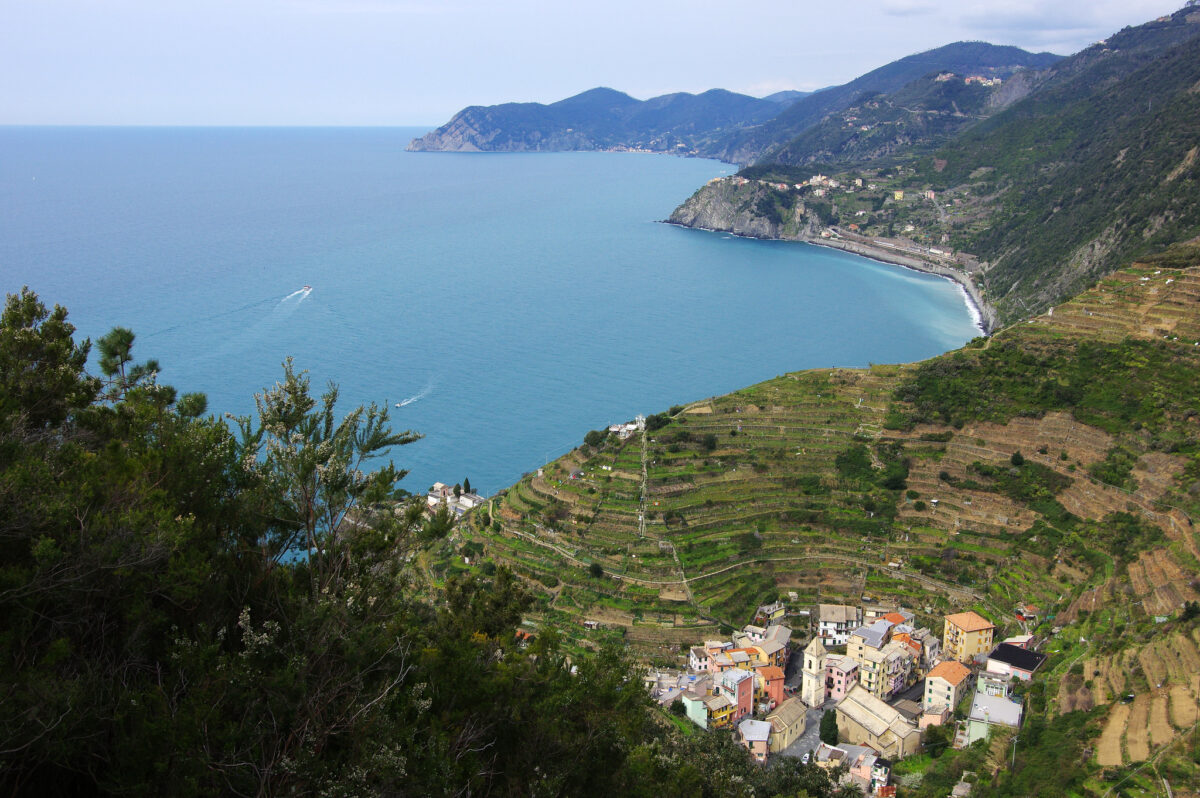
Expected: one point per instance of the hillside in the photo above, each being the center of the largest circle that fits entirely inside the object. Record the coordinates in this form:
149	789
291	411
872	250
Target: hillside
599	119
1094	166
928	111
962	58
1053	464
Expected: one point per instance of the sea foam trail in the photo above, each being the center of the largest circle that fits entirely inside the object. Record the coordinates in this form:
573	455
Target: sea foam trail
205	319
417	396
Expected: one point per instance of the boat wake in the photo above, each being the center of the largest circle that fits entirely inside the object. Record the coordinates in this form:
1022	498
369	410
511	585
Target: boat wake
428	389
302	293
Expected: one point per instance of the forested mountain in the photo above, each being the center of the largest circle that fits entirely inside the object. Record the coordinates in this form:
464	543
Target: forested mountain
963	58
1096	166
919	116
599	119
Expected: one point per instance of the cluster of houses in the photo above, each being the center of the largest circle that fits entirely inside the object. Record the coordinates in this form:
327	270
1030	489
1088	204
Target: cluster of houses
887	679
457	500
980	79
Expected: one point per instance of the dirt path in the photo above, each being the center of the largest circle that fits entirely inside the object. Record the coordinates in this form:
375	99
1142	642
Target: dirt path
1108	749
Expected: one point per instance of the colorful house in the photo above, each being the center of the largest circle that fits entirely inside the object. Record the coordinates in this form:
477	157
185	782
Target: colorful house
755	735
768	686
967	635
737	685
841	673
945	686
988	711
1020	662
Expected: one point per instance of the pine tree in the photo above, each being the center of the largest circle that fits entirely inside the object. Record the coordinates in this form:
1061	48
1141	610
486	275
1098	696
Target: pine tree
829	727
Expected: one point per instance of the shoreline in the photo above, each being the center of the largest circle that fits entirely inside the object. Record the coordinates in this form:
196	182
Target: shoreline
975	304
982	315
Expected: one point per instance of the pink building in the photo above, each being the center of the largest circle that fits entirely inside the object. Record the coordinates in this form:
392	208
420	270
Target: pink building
770	684
841	673
738	686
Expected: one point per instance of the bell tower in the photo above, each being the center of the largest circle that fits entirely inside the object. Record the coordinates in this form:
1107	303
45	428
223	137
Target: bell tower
812	690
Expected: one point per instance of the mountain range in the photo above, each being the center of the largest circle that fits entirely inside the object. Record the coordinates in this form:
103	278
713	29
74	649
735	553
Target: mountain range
716	123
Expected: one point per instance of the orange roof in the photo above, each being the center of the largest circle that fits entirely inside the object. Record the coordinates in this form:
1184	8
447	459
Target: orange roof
970	621
771	672
907	640
953	672
895	617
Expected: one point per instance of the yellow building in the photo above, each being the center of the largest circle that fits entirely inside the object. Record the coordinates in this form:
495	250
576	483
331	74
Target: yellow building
967	634
788	722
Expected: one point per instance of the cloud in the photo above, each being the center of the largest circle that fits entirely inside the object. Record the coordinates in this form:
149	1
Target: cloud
908	8
1066	24
764	87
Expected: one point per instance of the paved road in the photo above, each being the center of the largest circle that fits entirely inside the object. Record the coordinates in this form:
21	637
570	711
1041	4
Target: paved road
812	734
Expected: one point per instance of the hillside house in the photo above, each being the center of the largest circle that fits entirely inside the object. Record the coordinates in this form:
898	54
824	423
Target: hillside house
835	622
945	686
708	710
737	685
988	711
1020	662
755	735
994	684
966	635
770	612
865	769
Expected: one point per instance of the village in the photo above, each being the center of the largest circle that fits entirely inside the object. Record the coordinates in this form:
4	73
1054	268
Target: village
894	688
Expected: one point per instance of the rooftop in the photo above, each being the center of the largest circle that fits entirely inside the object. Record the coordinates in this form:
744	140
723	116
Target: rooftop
873	635
994	709
771	672
1017	657
788	713
872	714
758	731
837	613
970	621
953	672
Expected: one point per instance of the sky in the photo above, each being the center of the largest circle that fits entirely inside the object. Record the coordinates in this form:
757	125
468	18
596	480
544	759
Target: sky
417	62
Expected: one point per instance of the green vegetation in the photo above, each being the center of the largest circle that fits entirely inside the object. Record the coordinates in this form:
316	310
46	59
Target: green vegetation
1133	384
829	727
190	609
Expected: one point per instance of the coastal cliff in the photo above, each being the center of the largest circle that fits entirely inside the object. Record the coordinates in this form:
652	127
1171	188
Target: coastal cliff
759	209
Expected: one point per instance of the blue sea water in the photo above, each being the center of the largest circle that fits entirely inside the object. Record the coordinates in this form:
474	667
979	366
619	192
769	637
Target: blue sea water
509	302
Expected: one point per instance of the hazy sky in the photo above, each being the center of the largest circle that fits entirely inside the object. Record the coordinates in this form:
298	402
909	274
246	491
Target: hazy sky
416	62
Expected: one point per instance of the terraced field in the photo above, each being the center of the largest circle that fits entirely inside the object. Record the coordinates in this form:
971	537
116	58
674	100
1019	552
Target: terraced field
837	484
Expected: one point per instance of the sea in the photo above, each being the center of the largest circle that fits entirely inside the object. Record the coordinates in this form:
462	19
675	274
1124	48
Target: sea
501	305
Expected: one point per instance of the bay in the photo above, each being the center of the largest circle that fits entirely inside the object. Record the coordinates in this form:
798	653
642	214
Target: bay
510	303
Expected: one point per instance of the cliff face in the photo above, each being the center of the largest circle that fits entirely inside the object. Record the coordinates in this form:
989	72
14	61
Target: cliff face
730	208
478	129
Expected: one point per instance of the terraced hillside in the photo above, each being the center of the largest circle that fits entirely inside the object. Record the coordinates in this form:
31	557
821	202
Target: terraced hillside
1055	464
